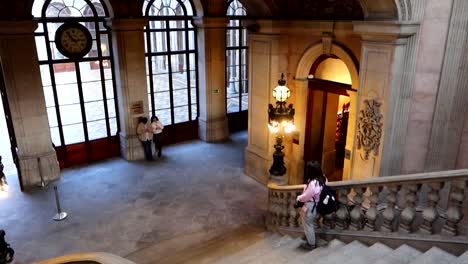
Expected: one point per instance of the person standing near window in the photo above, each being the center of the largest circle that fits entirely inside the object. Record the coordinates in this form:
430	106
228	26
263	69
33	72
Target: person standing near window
145	134
157	134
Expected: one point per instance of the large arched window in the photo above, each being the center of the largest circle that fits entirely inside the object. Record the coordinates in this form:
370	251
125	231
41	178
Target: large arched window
236	60
171	64
79	92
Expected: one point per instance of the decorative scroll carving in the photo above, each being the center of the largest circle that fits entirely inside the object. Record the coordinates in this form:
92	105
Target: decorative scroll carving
370	128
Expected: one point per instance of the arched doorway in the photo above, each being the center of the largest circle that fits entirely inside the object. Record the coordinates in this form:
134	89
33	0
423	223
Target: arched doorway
311	60
328	109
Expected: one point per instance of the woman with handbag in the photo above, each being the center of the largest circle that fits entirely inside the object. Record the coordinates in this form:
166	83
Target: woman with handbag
310	197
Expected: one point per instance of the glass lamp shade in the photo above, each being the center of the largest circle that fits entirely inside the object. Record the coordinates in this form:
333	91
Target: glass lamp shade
281	93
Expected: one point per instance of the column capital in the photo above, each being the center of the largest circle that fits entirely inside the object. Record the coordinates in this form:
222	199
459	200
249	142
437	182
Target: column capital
211	22
127	24
20	27
385	31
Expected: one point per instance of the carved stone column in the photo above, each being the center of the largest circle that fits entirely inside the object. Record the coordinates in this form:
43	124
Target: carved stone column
388	63
212	118
27	104
129	55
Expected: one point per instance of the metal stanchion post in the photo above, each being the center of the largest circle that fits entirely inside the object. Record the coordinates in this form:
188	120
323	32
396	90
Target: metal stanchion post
60	215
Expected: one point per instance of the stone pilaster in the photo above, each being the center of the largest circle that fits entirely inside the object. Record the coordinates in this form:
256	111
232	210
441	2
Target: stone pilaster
388	64
212	120
23	85
130	67
451	106
267	62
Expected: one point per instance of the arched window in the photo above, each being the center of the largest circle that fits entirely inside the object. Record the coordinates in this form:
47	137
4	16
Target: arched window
236	60
79	92
171	64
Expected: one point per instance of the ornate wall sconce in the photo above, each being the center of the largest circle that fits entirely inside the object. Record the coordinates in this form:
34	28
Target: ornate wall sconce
280	122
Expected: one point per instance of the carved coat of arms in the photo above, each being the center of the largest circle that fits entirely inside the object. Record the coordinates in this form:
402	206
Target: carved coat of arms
369	128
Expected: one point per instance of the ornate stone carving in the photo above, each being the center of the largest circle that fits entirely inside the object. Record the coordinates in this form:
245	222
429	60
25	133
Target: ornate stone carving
370	127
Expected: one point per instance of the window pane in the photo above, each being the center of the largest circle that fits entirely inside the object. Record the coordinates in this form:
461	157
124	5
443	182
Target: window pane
181	114
70	114
93	52
158	41
55	135
179	80
245	102
245	39
111	108
65	73
109	89
164	116
232	105
160	82
104	45
193	95
49	96
67	94
232	37
244	53
107	69
160	64
194	112
92	91
113	126
245	87
90	71
94	111
52	116
177	40
180	97
73	134
45	75
97	129
150	105
178	63
244	72
56	54
41	48
162	100
193	78
191	36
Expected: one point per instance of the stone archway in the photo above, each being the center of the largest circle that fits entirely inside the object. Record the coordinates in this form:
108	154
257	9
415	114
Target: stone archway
301	84
400	10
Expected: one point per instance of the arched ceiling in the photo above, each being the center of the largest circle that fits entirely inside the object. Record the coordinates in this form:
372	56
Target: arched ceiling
281	9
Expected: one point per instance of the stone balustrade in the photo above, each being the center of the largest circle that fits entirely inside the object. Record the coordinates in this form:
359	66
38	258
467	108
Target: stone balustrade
421	207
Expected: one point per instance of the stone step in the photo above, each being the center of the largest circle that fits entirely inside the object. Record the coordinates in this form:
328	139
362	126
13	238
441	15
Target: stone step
318	253
462	259
283	244
283	254
271	242
402	255
343	254
435	256
370	255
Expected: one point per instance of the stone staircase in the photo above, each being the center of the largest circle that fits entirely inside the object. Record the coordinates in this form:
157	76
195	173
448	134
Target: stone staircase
272	248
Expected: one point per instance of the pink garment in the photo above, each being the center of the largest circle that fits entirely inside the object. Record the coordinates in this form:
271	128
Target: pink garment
311	191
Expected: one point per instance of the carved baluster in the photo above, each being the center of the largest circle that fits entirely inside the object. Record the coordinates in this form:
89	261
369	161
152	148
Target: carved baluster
282	210
342	213
272	207
430	214
292	211
372	213
389	212
277	209
329	221
356	214
409	213
455	209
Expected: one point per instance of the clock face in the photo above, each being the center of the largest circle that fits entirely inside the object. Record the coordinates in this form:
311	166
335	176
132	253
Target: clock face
73	40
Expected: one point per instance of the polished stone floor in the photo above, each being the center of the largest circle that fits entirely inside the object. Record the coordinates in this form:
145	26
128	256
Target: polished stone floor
123	207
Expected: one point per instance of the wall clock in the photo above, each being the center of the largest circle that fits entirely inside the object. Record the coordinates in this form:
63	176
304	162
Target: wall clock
73	40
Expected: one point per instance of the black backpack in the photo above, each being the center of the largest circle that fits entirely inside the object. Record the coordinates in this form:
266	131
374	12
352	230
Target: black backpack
328	202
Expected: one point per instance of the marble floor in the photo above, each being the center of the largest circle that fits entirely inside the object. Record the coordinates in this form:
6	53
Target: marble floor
124	207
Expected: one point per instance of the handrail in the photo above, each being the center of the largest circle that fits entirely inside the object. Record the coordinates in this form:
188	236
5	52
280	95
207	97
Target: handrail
384	207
